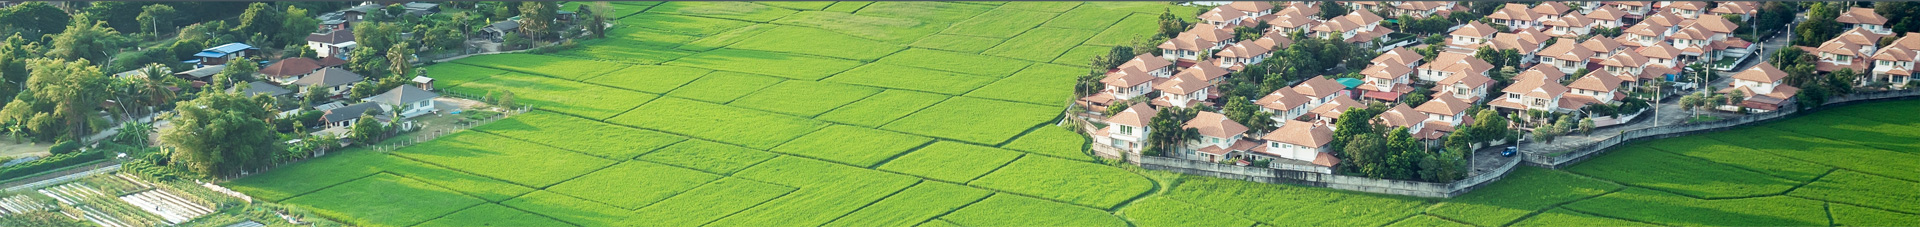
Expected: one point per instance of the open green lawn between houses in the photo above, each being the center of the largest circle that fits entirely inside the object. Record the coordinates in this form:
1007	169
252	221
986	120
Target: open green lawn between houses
712	114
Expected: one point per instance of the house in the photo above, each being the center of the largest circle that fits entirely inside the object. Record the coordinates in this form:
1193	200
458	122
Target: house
498	30
1686	9
1402	116
1471	35
1704	36
1331	110
421	8
1597	87
287	70
1762	86
1251	8
201	74
1745	9
1607	17
1849	50
219	55
1550	10
1309	9
1634	9
1421	9
1664	19
1864	18
1320	90
1386	82
1448	64
1569	26
259	88
1443	115
1127	130
1660	54
1464	86
1602	48
1292	20
1219	137
1196	43
1894	63
411	100
1515	16
1566	56
1223	17
1643	35
1355	27
333	43
1303	141
1630	63
1123	84
337	81
1398	56
332	62
1246	52
1536	89
1184	90
1526	41
1285	104
342	119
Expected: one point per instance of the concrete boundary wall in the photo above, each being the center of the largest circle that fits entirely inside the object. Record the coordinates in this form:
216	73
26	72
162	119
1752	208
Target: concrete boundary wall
1342	182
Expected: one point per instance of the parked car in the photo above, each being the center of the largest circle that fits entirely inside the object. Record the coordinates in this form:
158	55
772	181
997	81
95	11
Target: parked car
1509	151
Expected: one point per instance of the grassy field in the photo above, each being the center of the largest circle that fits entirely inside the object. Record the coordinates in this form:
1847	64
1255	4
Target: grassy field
939	114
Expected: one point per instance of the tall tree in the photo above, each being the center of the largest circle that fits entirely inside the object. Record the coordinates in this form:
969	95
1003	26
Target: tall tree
536	19
61	99
1170	25
91	40
1246	113
34	18
238	71
401	56
1166	133
297	25
600	10
227	137
260	19
156	19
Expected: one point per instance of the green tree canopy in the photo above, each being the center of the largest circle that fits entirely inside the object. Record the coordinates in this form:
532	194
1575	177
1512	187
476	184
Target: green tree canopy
61	99
228	136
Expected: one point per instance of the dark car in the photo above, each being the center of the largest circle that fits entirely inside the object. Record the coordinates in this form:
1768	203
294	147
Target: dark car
1509	151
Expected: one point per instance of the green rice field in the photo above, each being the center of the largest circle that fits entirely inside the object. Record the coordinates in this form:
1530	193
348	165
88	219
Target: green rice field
942	114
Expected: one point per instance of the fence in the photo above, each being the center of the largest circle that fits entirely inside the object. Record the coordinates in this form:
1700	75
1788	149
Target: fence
1559	159
1342	182
427	136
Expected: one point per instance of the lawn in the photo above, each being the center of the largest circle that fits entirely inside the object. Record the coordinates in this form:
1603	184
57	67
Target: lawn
310	175
911	78
881	108
1015	210
852	145
524	163
975	64
384	200
768	63
581	135
916	204
974	120
951	162
557	95
1071	181
733	125
723	86
650	78
708	156
804	98
1044	84
707	203
1041	44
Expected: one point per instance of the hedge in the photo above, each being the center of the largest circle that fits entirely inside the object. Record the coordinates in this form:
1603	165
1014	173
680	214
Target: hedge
49	163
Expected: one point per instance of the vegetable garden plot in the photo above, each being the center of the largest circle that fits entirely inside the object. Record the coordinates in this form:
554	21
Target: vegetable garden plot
1042	6
1135	28
727	38
731	10
1041	44
733	125
1671	209
1824	151
582	135
1857	188
450	75
384	200
814	41
557	95
1075	182
1524	191
881	108
827	191
631	185
951	162
657	79
1044	84
1087	17
1645	167
914	205
1054	141
707	203
1850	215
1003	22
975	64
1014	210
1564	217
885	29
1274	203
723	86
959	43
708	156
1161	211
488	214
804	98
910	78
852	145
569	209
1702	147
563	67
512	160
974	120
689	25
308	176
768	63
625	51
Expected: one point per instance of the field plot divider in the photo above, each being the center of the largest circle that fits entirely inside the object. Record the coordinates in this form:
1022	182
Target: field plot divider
1790	109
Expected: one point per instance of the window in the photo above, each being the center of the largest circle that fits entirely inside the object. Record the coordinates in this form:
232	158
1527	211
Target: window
1125	130
1215	140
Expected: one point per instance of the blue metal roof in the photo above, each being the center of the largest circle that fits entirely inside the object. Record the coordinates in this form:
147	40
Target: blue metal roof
210	54
228	48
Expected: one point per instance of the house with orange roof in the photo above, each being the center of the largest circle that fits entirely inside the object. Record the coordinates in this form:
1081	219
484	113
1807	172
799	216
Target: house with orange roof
1386	82
1320	89
1597	87
1152	65
1526	41
1606	17
1643	35
1303	141
1894	63
1704	36
1535	89
1745	9
1515	16
1571	25
1762	85
1285	104
1566	55
1685	9
1421	9
1634	9
1443	115
1127	130
1327	112
1664	19
1251	51
1251	8
1448	64
1355	27
1291	20
1631	64
1402	116
1850	50
1464	86
288	70
1196	44
1222	17
1184	90
1306	8
1864	18
1550	10
1661	54
1127	83
1219	137
1602	48
1471	36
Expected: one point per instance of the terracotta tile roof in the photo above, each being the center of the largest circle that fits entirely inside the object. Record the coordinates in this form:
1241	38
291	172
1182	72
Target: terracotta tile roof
1627	3
1571	20
1551	8
1433	131
1215	125
1146	63
1655	72
1400	116
1200	38
1326	159
1894	53
1735	7
1514	11
1182	84
1318	86
1333	109
1243	49
1764	73
1353	20
1135	115
1217	14
1911	41
1858	36
1647	29
1458	63
1305	8
1541	72
1660	51
1515	41
1716	24
1858	15
1475	29
1626	59
1687	5
1567	49
1292	19
1386	71
1606	14
1597	80
1398	56
1663	18
1126	77
1250	6
1205	72
1283	100
1537	88
1601	45
1444	106
1301	133
1273	41
291	67
1471	80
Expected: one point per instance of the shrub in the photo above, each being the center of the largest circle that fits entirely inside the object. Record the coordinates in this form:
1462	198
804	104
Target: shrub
64	147
51	162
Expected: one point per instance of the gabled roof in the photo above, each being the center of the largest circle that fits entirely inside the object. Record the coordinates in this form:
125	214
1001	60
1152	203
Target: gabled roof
1292	19
203	72
1601	45
1567	49
1401	116
1135	115
1243	49
329	77
402	95
1597	80
1606	14
1859	36
1541	72
1333	108
1283	99
1301	133
1687	5
1398	56
1353	20
1273	41
1444	105
1647	29
1716	24
291	67
332	61
1215	125
1222	14
1663	18
1475	29
1571	20
1894	53
1514	11
1318	86
348	112
1471	80
261	87
1660	51
1458	63
1735	7
1386	71
1625	59
1126	77
1551	8
1858	15
1249	6
1146	63
1199	38
1205	72
332	37
1911	41
1764	73
1515	41
1536	86
1182	84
